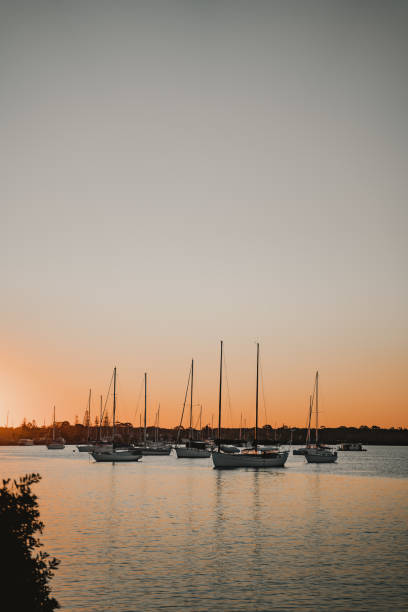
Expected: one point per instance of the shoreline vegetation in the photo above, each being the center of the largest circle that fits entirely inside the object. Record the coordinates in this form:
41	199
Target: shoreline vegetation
126	432
27	570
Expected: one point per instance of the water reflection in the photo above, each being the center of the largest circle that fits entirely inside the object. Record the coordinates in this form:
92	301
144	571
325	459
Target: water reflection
175	534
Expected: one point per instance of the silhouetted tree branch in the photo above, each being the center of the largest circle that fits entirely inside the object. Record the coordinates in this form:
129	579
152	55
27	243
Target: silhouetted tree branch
26	571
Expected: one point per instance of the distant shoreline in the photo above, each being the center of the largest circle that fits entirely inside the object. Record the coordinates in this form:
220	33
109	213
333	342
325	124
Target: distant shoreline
126	432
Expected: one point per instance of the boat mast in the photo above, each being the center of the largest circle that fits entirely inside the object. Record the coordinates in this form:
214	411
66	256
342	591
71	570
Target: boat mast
309	422
256	400
191	399
201	412
100	420
317	406
114	407
157	424
53	425
89	413
219	403
145	432
184	406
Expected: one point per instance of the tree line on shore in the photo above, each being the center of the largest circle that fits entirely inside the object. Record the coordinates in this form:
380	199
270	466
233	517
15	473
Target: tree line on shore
126	432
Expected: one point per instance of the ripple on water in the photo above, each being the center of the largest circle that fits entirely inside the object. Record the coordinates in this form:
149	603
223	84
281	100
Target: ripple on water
167	534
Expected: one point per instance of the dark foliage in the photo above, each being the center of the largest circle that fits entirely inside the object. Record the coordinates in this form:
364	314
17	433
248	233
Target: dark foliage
24	578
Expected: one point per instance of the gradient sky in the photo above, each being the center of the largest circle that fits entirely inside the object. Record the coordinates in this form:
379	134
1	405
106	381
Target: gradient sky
175	173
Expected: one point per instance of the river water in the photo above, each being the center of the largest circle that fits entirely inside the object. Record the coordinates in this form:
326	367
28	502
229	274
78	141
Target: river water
175	534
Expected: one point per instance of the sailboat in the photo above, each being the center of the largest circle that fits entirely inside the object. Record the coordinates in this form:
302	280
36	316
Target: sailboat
253	457
87	448
303	451
56	444
193	449
112	454
318	453
156	448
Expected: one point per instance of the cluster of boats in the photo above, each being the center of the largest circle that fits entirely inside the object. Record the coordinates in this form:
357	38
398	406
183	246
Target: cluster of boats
315	453
223	456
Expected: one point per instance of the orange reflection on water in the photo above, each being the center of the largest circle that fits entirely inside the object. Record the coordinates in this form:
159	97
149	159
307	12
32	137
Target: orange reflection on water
177	533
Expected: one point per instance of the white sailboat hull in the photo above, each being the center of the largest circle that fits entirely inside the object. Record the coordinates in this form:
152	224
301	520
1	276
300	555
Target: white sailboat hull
255	460
85	448
192	453
116	456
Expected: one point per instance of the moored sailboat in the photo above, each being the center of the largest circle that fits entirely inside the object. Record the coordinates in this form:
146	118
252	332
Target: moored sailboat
303	451
318	453
155	448
193	449
111	454
253	457
56	443
88	447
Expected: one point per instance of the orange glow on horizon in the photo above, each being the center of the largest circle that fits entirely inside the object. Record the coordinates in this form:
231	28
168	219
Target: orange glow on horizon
350	396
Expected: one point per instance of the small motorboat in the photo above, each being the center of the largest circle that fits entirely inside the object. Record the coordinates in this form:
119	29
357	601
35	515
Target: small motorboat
351	446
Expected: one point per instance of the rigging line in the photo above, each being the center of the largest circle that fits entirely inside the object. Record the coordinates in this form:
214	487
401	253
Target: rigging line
106	400
263	393
198	418
184	406
138	399
313	394
86	413
228	387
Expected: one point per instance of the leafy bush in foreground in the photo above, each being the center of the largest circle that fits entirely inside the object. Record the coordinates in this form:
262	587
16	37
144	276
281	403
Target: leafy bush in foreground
26	570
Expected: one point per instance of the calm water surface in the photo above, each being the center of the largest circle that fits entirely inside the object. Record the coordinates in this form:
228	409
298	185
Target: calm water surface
175	534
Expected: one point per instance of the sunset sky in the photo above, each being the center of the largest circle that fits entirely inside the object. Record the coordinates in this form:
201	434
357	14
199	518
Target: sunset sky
175	173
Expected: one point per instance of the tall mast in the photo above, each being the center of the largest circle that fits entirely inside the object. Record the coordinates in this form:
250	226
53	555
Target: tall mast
89	413
184	405
310	419
256	400
53	425
191	399
145	432
201	412
157	423
114	407
219	403
100	420
317	406
240	427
